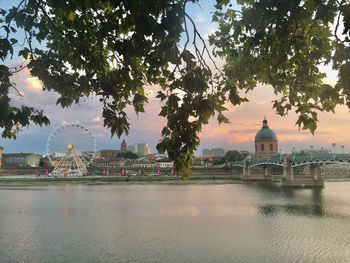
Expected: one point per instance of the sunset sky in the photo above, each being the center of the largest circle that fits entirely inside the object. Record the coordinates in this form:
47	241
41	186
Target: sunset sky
245	119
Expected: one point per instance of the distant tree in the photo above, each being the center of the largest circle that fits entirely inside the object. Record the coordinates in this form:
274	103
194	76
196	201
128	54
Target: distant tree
41	163
219	161
231	156
45	163
301	153
127	155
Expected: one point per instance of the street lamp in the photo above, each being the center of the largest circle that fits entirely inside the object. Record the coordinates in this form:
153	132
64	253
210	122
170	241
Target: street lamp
333	145
342	149
293	152
311	150
280	154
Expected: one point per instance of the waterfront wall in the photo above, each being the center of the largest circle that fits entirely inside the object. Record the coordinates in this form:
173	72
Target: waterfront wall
21	171
234	173
17	170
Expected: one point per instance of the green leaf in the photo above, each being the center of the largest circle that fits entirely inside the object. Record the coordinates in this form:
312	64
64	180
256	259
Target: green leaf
161	95
5	48
13	41
187	56
222	119
164	111
24	53
71	16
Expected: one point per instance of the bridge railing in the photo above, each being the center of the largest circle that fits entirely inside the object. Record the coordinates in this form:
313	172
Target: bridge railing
301	159
237	163
337	155
270	160
265	159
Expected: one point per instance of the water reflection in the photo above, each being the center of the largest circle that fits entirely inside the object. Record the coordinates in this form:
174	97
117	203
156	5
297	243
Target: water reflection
183	211
307	203
297	210
164	223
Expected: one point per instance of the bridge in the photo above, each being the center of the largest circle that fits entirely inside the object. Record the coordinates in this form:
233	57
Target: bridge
289	163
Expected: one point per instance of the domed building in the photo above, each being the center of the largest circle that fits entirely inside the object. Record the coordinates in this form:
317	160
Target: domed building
266	143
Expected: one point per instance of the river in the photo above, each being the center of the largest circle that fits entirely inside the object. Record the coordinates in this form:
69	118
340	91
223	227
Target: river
175	223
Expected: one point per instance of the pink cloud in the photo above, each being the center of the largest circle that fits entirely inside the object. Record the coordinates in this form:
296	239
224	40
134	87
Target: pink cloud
246	120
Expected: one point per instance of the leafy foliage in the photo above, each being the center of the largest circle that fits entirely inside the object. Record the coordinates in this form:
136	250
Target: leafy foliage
113	49
232	156
283	43
127	155
235	156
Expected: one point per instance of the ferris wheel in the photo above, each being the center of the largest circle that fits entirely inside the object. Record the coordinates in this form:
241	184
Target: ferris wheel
70	149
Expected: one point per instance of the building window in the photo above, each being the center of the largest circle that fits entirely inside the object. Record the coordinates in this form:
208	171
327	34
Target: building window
271	147
262	147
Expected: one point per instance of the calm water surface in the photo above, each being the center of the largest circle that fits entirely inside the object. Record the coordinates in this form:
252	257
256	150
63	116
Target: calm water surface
174	223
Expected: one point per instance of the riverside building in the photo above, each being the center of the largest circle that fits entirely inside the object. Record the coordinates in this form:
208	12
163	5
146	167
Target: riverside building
141	149
112	154
266	143
21	159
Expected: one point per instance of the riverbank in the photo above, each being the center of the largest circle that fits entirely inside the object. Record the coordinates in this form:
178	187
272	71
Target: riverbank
100	180
93	180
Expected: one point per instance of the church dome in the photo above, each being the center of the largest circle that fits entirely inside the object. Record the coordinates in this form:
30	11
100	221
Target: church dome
265	134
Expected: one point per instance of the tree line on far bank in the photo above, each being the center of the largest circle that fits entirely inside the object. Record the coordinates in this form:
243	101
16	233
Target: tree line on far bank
127	155
232	156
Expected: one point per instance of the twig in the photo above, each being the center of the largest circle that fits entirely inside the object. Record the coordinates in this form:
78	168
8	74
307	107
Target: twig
336	28
18	92
205	46
9	23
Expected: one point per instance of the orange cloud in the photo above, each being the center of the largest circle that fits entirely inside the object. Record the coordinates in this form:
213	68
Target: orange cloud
34	83
97	119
